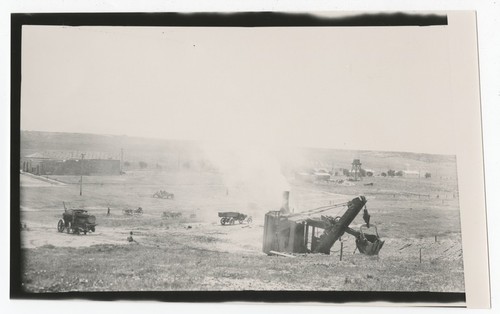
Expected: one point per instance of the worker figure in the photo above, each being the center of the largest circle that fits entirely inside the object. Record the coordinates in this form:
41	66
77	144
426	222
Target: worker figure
109	211
366	217
130	239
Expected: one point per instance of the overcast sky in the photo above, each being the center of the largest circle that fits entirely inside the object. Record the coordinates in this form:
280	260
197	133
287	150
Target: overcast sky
381	88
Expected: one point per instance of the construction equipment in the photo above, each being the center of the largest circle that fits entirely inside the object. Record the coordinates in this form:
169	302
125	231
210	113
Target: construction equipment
164	195
305	233
132	212
76	221
231	217
369	244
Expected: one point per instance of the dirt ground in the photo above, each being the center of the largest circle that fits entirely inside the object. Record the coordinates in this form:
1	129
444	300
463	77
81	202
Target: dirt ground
418	219
223	237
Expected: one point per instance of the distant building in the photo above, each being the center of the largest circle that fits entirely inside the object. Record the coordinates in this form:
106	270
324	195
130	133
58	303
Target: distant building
71	163
313	175
321	176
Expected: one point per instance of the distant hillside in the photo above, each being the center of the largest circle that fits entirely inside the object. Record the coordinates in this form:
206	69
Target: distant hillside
153	151
443	165
172	154
95	142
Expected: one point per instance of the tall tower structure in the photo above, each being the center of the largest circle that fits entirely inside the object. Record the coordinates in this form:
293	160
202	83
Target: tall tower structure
356	169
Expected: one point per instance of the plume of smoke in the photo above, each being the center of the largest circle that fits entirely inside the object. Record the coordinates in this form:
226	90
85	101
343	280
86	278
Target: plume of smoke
252	171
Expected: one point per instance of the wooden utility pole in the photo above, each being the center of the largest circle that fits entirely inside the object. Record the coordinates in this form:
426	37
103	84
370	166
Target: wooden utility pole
81	174
121	161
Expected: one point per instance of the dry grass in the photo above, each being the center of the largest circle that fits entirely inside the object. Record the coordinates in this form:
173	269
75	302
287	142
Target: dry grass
212	257
171	265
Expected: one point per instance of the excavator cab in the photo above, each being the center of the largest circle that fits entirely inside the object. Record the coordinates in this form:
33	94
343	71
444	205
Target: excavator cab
369	244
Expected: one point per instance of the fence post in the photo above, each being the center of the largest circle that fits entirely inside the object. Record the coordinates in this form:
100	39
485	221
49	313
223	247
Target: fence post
341	249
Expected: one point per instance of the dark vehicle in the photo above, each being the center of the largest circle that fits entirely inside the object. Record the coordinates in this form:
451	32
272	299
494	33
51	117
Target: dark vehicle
76	221
231	217
132	212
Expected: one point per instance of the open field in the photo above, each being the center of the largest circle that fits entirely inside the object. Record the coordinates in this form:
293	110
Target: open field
194	252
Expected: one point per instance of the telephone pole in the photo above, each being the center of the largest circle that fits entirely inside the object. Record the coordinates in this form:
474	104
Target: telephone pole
81	174
121	161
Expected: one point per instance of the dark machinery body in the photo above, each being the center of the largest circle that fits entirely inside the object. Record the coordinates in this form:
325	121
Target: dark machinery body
368	244
231	217
76	221
298	233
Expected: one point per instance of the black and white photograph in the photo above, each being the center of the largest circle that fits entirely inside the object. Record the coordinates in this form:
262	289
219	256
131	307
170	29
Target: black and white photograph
261	152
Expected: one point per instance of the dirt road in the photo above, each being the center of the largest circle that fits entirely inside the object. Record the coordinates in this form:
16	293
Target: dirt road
243	238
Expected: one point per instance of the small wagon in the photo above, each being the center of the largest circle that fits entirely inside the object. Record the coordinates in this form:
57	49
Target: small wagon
76	221
132	212
231	217
164	195
171	214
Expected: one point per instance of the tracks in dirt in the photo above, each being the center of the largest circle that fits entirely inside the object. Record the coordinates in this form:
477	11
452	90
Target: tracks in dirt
208	237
